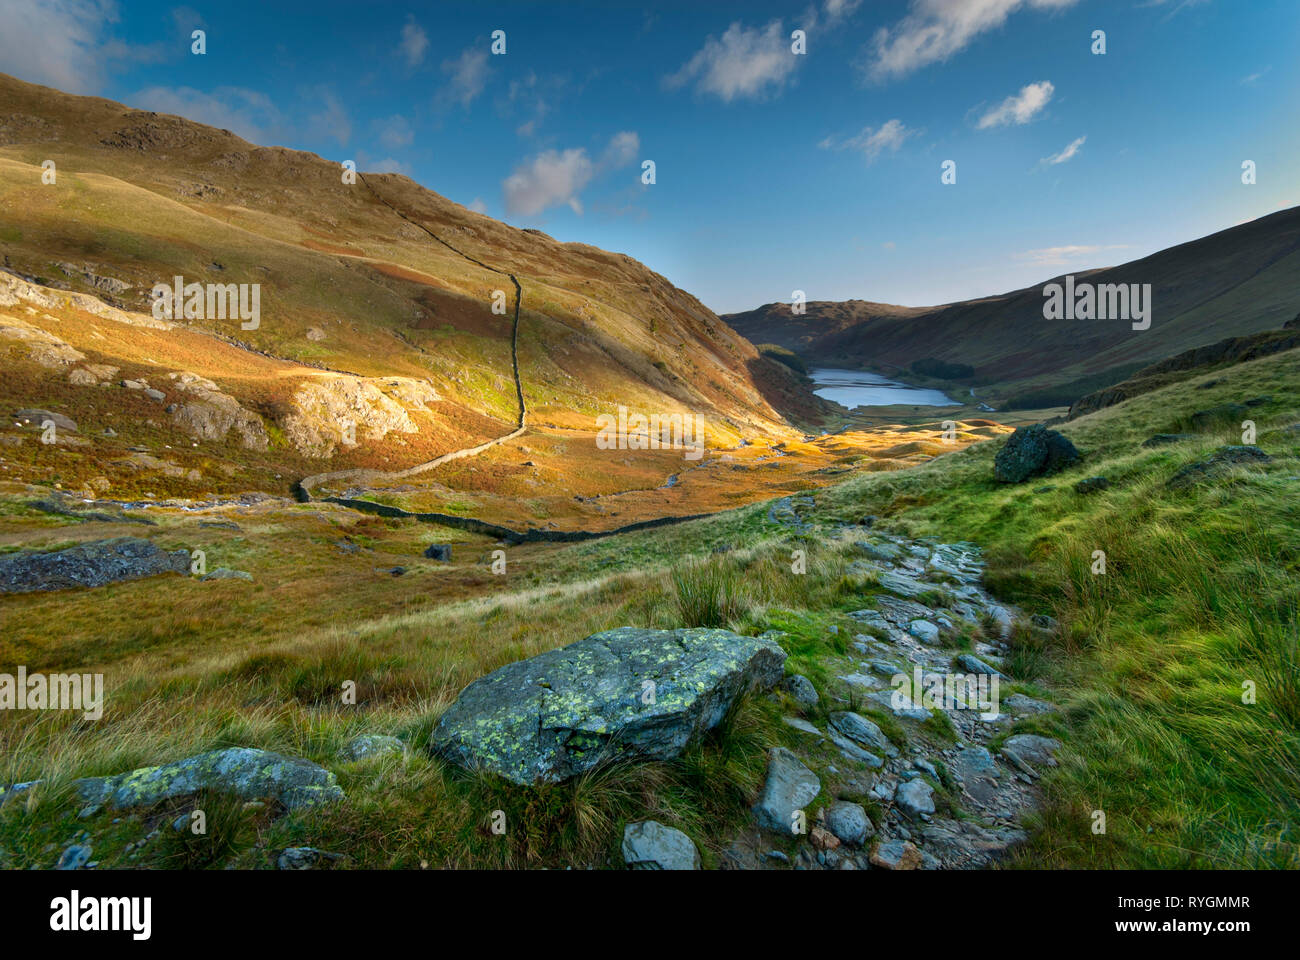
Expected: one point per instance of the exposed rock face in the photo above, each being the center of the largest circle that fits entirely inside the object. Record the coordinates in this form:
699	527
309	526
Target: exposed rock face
88	565
1223	460
246	772
1033	451
373	408
209	414
37	417
629	693
650	845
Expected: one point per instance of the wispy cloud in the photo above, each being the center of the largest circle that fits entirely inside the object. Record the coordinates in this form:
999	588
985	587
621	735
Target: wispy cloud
468	75
1066	255
1019	108
935	30
743	62
556	178
331	121
1068	153
872	142
248	113
394	132
414	42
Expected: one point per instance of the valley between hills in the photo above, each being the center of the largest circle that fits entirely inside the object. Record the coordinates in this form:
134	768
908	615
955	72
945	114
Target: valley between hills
392	487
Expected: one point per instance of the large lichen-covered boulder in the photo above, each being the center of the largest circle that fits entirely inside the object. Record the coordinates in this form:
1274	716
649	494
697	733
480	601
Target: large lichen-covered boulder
629	693
245	772
1033	451
92	564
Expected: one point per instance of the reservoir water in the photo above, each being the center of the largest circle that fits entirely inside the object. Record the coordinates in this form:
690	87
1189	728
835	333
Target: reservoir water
858	388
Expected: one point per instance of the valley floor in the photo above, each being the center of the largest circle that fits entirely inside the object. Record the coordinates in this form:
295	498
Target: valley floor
1172	673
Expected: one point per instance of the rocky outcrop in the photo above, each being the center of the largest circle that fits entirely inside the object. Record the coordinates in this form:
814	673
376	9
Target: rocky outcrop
245	772
330	411
629	693
1033	451
88	565
207	413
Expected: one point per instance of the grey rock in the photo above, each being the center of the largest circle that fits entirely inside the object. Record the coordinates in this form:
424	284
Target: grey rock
369	745
74	857
849	822
925	631
973	664
154	394
1091	485
1222	462
803	725
246	772
439	551
896	855
37	416
906	707
1033	451
914	798
565	711
1032	748
1020	703
305	858
649	845
883	552
802	689
863	731
92	564
903	585
852	751
790	786
225	573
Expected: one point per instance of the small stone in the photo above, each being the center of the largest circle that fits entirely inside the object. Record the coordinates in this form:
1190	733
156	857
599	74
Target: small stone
305	858
790	786
801	689
915	798
649	845
370	745
1091	485
74	857
849	822
439	551
896	855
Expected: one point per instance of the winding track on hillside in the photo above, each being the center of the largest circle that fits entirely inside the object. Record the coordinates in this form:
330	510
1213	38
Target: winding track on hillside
303	488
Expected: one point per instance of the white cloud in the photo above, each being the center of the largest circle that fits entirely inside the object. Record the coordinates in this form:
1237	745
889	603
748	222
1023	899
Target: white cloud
1066	154
245	112
477	205
837	10
1061	256
414	42
468	73
622	150
556	178
743	63
55	42
871	143
550	179
935	30
1019	108
369	164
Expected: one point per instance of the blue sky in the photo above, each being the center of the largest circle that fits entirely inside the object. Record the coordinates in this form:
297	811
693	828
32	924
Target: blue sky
774	171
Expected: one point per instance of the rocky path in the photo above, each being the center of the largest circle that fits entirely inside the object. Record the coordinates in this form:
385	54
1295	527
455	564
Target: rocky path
938	793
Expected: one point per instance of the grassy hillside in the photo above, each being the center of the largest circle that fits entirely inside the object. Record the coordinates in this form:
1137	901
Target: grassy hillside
1149	660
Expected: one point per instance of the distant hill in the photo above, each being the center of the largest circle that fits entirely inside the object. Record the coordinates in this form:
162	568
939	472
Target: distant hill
1236	282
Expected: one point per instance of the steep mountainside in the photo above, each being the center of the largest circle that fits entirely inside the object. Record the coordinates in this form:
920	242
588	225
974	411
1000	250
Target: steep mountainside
368	325
1239	281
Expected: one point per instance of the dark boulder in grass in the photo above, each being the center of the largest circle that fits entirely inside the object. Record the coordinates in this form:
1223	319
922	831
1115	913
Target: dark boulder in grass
1092	485
439	551
91	564
1033	451
1223	460
624	694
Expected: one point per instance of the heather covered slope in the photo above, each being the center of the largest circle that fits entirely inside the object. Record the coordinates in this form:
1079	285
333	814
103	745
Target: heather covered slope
1239	281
